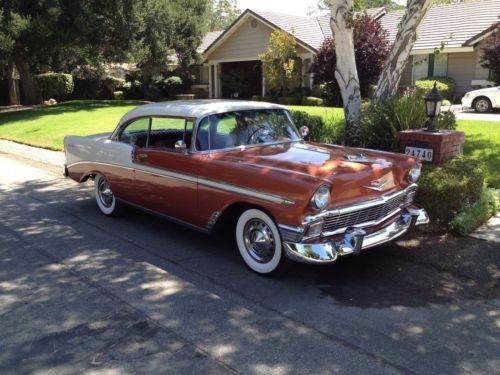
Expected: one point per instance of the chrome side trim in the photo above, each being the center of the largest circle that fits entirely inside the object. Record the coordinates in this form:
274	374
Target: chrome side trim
203	181
343	210
290	234
245	191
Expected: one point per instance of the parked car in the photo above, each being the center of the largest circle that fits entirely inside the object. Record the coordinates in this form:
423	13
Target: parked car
203	163
482	100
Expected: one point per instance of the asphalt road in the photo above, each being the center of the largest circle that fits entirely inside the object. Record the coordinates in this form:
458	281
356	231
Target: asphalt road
83	293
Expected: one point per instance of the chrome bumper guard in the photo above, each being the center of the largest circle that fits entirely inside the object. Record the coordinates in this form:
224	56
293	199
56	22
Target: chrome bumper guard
355	239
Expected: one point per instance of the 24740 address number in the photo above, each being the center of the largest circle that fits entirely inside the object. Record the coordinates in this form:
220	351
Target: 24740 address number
420	153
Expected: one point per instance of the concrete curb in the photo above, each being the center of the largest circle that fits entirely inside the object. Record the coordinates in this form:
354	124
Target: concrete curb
55	158
489	231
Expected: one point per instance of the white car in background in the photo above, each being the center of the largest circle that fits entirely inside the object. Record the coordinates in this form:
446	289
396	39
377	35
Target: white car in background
482	100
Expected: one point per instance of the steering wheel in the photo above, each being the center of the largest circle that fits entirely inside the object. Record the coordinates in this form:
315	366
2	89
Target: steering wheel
253	133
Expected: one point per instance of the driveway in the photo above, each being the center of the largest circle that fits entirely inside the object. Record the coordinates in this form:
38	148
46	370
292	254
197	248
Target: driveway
469	114
83	293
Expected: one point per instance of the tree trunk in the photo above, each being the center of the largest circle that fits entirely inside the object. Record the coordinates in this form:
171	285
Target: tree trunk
346	73
397	59
31	92
13	88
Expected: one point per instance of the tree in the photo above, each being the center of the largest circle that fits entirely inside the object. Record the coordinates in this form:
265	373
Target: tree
490	59
222	14
371	45
397	58
53	34
346	74
281	63
360	5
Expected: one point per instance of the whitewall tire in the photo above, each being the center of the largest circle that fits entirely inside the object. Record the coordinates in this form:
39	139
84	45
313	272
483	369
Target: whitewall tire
104	196
259	241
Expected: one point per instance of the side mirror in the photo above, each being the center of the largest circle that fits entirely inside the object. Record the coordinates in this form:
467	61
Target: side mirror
180	145
304	131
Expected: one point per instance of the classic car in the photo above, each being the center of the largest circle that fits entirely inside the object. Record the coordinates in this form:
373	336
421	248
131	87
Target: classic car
202	163
482	100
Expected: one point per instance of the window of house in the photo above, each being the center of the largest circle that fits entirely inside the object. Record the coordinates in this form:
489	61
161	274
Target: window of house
432	65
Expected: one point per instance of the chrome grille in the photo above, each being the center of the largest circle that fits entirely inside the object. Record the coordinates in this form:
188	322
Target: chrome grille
343	220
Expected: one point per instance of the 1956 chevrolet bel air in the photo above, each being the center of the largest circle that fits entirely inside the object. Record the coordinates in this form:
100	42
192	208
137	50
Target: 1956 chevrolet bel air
204	161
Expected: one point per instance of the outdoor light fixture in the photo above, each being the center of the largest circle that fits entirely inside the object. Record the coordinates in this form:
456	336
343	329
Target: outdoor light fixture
433	106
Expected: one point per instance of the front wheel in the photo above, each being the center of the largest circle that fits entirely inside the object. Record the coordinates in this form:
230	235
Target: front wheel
259	241
104	196
482	105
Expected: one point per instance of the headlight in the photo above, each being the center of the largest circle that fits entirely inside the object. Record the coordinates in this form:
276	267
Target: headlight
322	197
415	172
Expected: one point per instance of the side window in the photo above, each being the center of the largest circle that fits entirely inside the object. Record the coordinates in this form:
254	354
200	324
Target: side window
165	132
136	133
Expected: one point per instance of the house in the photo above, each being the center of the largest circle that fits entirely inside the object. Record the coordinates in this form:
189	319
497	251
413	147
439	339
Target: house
458	31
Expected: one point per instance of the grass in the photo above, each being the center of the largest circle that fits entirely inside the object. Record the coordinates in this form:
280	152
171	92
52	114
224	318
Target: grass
46	126
483	143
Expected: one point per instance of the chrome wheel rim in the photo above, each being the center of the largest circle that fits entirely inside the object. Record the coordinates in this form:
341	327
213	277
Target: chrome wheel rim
105	194
259	241
482	105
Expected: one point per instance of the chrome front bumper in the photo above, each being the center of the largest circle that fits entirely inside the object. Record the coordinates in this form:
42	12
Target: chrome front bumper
353	240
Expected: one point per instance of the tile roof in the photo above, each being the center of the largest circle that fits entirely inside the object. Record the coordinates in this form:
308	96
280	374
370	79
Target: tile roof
453	24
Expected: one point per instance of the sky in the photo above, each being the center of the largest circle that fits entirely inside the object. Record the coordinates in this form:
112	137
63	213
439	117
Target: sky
296	7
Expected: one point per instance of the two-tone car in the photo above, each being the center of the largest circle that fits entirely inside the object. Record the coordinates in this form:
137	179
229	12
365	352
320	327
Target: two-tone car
205	162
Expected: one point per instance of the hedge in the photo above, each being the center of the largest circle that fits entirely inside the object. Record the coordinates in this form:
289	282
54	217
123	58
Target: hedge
445	85
454	191
312	101
55	85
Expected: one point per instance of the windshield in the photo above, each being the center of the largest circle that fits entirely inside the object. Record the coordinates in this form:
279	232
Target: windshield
244	128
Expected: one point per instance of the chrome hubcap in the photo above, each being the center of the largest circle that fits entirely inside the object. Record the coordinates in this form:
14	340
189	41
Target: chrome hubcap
105	194
259	240
482	105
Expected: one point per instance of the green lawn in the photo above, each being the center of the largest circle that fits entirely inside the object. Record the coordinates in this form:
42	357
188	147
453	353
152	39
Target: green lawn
47	126
483	143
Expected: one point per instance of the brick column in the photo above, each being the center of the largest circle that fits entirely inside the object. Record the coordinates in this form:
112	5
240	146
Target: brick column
446	144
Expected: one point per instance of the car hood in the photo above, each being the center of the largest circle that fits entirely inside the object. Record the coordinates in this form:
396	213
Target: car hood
346	168
487	90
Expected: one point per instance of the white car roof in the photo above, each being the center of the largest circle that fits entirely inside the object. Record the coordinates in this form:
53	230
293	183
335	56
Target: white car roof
195	108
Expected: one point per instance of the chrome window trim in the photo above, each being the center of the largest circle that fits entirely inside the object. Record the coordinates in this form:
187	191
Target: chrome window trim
355	207
220	185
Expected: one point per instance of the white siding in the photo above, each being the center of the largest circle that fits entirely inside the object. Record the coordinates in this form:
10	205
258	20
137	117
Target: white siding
246	42
462	68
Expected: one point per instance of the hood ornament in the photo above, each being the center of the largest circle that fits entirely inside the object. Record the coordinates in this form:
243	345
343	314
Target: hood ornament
377	185
359	158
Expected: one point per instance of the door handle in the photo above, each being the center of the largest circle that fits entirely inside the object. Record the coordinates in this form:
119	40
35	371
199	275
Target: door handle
142	156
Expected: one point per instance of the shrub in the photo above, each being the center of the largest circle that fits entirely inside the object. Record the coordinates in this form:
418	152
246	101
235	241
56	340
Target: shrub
88	83
445	85
312	101
490	58
289	100
330	130
382	122
371	45
474	214
55	85
113	83
256	98
447	120
119	95
447	189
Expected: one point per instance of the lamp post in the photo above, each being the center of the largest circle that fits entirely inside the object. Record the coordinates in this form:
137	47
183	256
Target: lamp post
433	106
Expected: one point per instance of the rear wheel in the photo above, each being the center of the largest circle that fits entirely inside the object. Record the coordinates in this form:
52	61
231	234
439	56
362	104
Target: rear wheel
482	105
104	196
259	241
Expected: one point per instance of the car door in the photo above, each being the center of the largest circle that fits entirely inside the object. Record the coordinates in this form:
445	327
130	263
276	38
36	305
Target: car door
166	175
119	169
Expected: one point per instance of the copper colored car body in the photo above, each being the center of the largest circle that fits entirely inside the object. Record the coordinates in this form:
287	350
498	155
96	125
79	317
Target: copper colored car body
197	162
